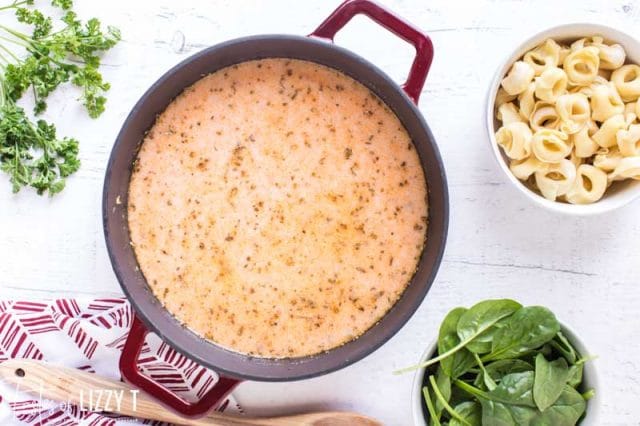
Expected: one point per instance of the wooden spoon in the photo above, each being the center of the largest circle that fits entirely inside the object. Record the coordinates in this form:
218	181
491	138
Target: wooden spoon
68	385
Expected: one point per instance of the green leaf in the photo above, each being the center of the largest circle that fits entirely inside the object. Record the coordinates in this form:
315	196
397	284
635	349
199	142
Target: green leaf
482	343
549	381
566	411
500	368
42	25
470	411
527	329
486	379
62	4
444	385
574	377
499	414
457	364
564	347
482	316
516	389
31	154
496	414
471	324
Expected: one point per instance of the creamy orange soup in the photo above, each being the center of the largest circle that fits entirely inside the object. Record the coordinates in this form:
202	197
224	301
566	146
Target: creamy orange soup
278	208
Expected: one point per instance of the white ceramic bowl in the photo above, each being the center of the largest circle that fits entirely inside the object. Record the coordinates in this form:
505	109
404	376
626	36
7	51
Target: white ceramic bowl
617	195
589	381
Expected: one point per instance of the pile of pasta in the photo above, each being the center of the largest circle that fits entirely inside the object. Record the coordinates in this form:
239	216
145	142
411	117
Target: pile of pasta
570	119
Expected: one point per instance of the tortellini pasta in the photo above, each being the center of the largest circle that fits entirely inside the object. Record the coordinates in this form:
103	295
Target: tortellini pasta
543	57
588	186
503	97
611	56
508	113
584	145
556	179
629	141
627	81
544	116
582	66
527	101
570	119
607	159
574	112
606	135
550	146
518	78
605	102
627	168
551	84
523	169
515	140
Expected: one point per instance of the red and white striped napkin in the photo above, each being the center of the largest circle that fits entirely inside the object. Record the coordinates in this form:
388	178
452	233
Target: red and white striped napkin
88	335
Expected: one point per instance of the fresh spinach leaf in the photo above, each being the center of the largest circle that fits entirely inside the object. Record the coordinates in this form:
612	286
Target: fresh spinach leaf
482	316
444	385
529	376
574	378
488	382
458	363
500	414
566	411
496	414
549	381
514	389
482	343
527	329
500	368
561	344
471	324
470	411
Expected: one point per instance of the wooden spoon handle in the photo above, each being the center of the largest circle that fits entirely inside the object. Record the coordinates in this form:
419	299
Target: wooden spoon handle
88	391
94	393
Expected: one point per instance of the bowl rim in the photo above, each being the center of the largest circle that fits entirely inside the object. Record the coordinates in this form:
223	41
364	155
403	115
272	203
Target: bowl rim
590	372
581	29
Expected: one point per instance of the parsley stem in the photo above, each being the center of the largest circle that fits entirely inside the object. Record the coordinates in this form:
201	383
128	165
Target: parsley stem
19	42
14	5
16	33
9	52
3	58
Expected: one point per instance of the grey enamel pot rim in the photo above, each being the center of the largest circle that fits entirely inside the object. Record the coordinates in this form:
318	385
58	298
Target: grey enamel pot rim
590	381
115	193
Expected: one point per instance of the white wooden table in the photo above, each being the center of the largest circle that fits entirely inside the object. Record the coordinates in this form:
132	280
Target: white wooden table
587	270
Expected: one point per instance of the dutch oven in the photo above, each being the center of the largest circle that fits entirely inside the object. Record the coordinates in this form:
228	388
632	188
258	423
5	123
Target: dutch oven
151	316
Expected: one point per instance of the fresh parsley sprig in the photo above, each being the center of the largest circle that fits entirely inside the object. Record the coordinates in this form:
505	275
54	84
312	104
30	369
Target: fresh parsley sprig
31	153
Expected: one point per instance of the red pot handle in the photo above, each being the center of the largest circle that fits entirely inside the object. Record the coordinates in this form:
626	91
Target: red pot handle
132	374
401	28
